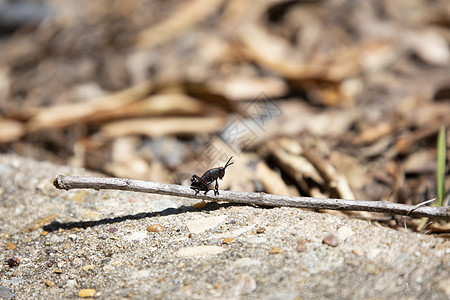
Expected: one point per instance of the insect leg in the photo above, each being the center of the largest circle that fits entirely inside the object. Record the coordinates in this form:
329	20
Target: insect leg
195	189
216	190
195	176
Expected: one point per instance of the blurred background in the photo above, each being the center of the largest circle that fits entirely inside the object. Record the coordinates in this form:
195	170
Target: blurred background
332	98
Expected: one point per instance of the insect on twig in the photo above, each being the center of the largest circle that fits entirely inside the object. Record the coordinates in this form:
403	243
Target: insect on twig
124	184
201	183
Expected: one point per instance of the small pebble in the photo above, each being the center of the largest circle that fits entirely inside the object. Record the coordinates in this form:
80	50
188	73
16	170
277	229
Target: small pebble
356	251
373	253
200	204
112	229
275	250
13	262
49	251
344	232
181	265
331	240
71	283
55	239
44	233
260	230
85	293
72	237
49	283
227	241
155	228
11	246
87	267
58	271
301	245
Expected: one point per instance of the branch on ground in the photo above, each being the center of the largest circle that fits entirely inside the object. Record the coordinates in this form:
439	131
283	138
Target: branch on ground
97	183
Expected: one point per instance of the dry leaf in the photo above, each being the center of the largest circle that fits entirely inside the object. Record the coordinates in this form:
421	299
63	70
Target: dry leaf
10	130
272	181
249	88
181	20
68	114
295	165
155	127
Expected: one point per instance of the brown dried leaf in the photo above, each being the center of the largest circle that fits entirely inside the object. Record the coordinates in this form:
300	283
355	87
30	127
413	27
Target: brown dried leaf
11	130
324	92
157	105
182	19
271	180
68	114
430	46
420	162
295	165
351	168
244	87
372	134
271	51
335	180
298	117
406	143
155	127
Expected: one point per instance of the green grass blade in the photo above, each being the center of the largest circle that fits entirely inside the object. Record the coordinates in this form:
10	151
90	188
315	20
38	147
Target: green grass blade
440	175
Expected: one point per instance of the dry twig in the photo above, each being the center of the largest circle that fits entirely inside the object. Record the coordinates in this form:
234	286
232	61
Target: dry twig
76	182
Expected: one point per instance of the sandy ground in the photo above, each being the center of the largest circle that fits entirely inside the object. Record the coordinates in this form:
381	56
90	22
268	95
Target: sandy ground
115	245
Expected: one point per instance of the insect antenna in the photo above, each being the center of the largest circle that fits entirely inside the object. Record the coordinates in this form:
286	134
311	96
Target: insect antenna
228	163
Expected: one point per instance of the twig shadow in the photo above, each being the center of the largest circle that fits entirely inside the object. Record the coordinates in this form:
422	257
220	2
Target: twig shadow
210	206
